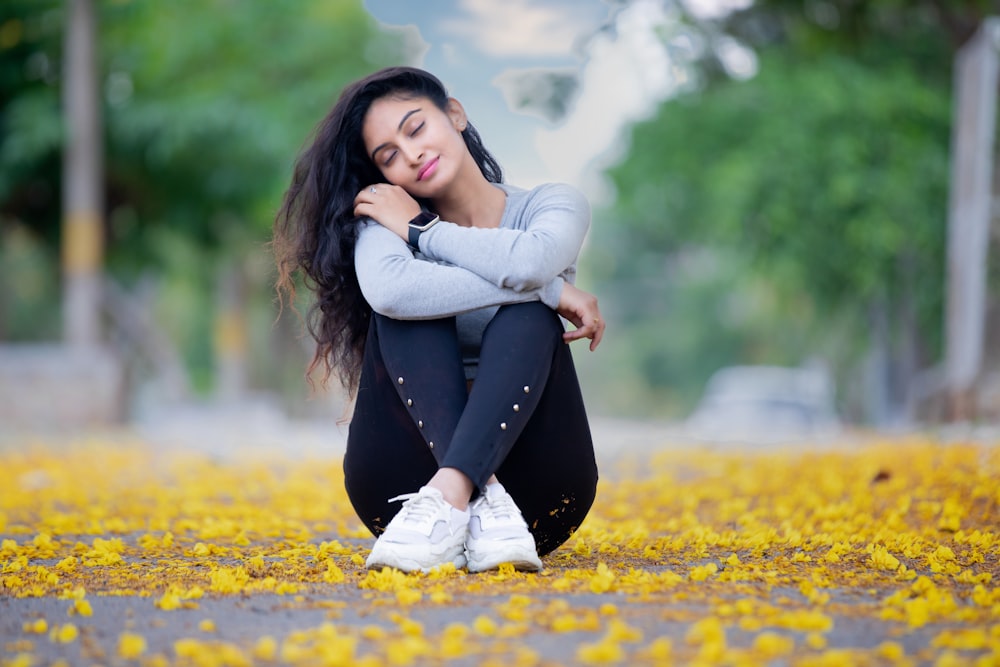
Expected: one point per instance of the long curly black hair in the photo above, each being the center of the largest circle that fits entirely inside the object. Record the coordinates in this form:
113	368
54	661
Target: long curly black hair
315	230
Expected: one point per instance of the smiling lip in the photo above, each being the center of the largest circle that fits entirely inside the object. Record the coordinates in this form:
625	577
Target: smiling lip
427	170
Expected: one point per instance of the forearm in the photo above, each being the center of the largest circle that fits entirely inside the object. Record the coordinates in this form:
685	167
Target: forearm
514	259
517	258
398	285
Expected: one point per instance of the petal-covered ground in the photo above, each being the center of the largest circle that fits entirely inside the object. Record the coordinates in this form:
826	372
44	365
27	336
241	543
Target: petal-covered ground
117	552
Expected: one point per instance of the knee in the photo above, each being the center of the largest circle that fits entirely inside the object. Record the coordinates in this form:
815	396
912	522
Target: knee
533	317
415	334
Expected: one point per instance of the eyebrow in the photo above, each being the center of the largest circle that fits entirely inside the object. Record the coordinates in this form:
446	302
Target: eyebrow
398	128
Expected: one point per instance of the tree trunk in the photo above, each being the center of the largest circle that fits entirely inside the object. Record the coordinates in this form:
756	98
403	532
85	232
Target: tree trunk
231	342
908	357
969	209
82	242
877	390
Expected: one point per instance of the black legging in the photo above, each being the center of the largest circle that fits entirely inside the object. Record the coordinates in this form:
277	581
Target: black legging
523	419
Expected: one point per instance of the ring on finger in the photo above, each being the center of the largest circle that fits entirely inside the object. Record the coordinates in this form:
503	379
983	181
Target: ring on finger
372	190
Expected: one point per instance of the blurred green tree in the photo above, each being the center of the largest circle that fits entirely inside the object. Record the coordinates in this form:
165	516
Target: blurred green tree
813	195
30	138
206	103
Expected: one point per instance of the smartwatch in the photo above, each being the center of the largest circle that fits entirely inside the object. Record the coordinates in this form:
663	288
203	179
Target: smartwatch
420	224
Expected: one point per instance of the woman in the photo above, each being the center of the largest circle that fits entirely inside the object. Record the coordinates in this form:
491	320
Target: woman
438	294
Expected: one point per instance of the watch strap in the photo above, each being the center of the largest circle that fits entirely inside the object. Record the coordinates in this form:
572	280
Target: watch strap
416	228
413	237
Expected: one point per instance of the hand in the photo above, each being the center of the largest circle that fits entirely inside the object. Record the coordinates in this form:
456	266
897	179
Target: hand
389	205
580	308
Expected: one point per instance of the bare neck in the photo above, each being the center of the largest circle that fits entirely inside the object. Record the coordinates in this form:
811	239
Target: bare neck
472	202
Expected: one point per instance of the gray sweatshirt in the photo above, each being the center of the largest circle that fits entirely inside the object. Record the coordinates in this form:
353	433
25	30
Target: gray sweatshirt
470	271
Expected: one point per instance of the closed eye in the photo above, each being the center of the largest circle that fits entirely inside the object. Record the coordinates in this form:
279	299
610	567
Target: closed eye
387	160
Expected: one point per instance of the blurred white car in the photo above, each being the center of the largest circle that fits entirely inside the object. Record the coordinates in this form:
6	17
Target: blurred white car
765	404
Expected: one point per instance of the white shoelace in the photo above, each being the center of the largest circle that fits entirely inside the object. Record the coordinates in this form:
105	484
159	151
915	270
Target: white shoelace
499	507
418	508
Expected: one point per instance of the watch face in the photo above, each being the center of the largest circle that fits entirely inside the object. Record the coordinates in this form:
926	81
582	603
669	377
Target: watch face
422	219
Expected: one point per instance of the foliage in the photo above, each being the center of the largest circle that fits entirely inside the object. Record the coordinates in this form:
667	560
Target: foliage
824	178
826	171
30	139
205	105
919	32
30	126
205	108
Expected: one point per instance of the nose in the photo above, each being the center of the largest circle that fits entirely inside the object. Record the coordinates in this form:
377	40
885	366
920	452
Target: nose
413	154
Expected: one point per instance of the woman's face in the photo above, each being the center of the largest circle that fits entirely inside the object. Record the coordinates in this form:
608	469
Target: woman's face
416	145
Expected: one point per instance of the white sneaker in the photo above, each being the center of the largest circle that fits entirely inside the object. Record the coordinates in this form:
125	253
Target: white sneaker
425	533
498	534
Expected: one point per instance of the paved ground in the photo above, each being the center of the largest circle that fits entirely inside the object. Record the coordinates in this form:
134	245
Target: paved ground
716	554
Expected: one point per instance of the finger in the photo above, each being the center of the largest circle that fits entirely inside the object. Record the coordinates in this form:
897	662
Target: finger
369	192
577	319
599	327
596	340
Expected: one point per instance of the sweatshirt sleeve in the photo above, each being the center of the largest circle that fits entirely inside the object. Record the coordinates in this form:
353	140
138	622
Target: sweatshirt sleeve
558	217
398	285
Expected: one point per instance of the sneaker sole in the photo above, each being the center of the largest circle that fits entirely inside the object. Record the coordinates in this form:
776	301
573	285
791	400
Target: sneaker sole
521	557
377	561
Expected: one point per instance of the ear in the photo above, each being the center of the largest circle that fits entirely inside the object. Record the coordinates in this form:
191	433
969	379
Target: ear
456	113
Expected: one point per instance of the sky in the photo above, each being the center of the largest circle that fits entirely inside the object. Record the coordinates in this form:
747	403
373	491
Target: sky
624	58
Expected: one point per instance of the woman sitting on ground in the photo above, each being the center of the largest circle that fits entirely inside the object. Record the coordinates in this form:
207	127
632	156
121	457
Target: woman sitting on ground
438	294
